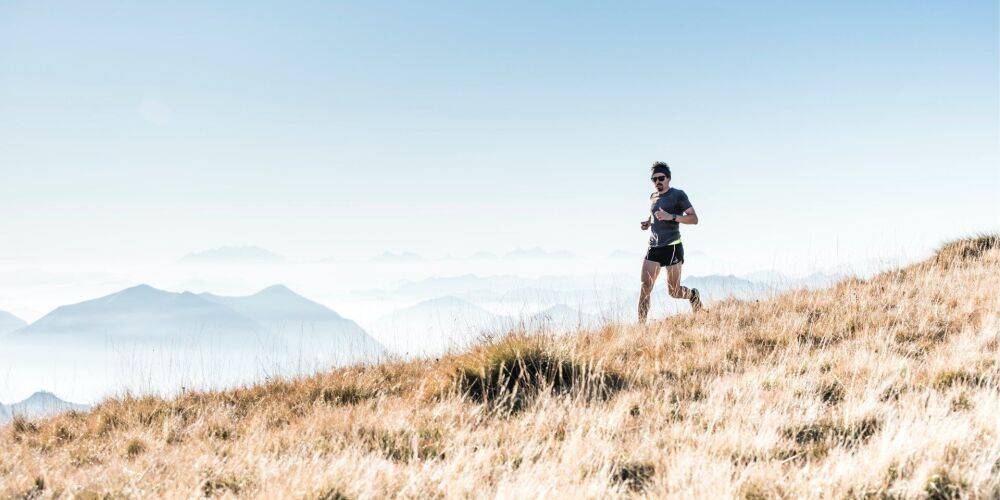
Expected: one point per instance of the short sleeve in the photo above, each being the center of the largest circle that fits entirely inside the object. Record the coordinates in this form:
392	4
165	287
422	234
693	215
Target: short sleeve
683	202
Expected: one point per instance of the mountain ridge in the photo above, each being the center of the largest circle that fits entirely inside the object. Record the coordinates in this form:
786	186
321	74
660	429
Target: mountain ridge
139	311
10	322
38	405
232	255
274	318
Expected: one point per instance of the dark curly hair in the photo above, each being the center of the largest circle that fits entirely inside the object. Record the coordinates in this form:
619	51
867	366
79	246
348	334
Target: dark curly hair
661	167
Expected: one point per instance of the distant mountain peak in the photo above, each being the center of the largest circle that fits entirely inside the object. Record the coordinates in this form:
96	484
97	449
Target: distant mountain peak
39	404
140	291
273	291
450	300
277	289
282	291
447	303
41	397
388	256
141	311
232	255
537	253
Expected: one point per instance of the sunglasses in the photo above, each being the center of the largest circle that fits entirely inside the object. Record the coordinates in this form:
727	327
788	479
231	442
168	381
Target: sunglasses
658	178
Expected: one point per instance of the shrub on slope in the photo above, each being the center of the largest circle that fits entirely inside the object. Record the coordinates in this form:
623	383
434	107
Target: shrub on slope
509	373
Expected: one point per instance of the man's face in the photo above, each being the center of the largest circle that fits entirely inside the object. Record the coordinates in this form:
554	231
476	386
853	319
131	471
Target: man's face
661	182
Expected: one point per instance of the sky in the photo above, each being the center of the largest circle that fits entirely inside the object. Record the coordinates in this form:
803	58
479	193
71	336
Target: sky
808	135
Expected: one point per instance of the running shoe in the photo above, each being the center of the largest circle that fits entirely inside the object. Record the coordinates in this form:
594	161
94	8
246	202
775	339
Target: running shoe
695	300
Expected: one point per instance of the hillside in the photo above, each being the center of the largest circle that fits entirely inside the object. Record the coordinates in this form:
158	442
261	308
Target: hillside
881	388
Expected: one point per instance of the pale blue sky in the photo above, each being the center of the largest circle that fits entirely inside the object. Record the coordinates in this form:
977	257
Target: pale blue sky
802	131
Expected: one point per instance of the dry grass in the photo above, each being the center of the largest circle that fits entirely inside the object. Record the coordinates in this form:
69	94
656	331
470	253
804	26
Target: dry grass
882	388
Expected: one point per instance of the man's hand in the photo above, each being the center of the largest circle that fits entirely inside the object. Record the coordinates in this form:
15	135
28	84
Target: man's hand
662	215
644	224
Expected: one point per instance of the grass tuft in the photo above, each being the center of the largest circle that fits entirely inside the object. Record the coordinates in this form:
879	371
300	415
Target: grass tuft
343	395
953	378
134	448
109	422
832	393
847	435
20	425
402	445
941	486
221	486
220	432
37	490
633	476
967	249
510	373
332	494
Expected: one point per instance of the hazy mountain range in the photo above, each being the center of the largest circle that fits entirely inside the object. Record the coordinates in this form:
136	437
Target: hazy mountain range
538	253
515	254
145	339
139	313
456	310
435	325
232	255
561	318
9	322
302	322
782	281
567	289
397	257
274	319
39	404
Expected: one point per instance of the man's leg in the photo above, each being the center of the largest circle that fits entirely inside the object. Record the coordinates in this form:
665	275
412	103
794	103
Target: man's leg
674	283
650	270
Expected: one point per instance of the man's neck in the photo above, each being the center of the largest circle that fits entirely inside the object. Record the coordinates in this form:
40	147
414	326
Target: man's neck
665	189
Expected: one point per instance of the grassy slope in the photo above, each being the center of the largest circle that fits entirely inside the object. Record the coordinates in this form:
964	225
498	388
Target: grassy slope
886	386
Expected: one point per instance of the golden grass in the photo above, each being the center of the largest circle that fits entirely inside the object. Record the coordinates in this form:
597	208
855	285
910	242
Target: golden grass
880	388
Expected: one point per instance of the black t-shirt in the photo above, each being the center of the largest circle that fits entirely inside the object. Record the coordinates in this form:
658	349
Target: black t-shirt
665	232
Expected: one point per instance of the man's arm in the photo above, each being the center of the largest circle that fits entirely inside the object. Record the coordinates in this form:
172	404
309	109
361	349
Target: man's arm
688	217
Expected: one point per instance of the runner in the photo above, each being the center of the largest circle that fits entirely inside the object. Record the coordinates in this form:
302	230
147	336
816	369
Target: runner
669	207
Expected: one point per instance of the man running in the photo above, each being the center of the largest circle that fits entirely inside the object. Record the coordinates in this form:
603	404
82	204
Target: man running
669	207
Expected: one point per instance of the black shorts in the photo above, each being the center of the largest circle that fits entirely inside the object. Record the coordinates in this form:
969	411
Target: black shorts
666	256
